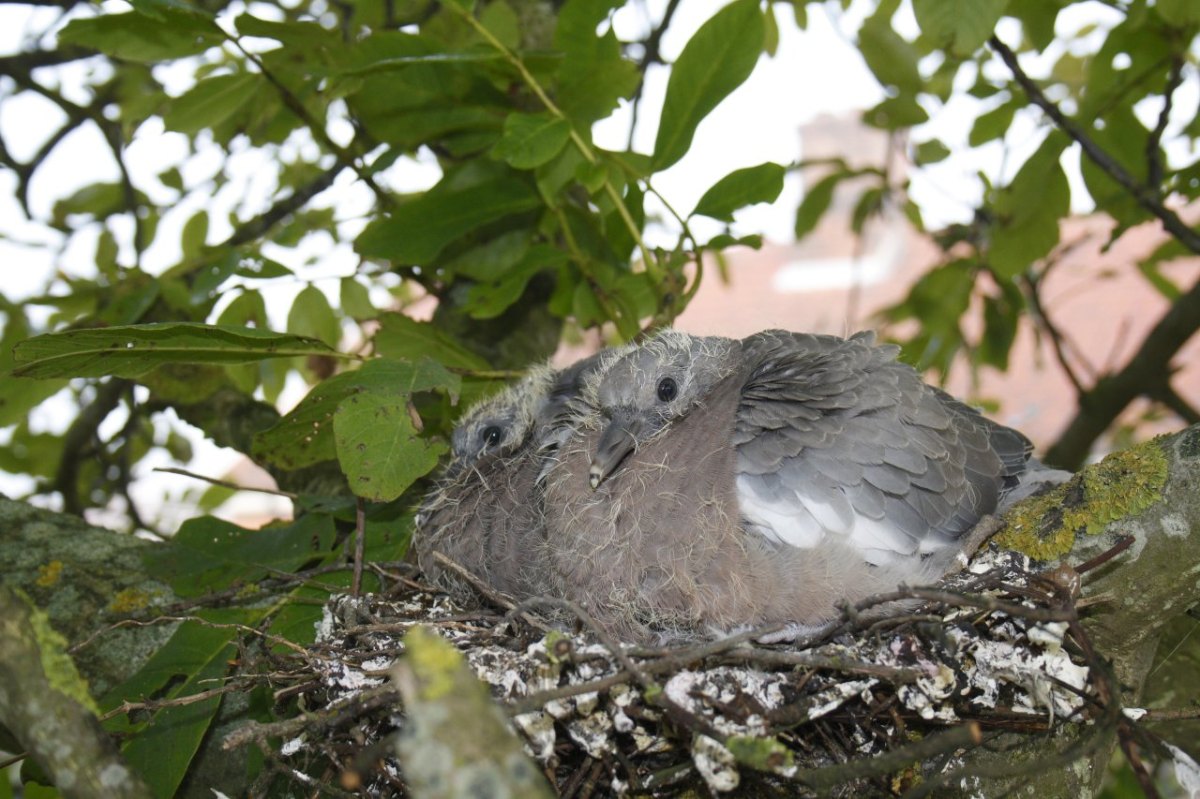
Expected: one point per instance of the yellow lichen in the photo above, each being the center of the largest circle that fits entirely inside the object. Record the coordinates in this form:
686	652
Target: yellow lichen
763	754
58	667
49	574
1123	484
129	600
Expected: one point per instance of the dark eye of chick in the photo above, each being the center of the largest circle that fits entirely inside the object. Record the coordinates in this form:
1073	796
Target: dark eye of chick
491	436
667	389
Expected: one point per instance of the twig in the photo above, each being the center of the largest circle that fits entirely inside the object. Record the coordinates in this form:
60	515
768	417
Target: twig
1154	167
1145	195
224	483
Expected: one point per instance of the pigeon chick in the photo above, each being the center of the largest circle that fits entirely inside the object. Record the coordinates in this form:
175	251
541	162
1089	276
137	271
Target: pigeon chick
720	483
484	512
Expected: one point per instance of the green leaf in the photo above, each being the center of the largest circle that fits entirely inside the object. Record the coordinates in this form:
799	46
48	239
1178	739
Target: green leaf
1123	138
312	316
378	447
815	203
742	187
1180	13
1029	210
208	554
195	231
961	26
401	336
896	113
135	37
993	124
530	140
210	102
594	75
417	231
305	436
133	350
293	33
931	152
714	62
356	300
489	300
191	662
1038	17
98	200
891	59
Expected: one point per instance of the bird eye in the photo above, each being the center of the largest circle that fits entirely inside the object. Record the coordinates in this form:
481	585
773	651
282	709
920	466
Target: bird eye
667	389
491	436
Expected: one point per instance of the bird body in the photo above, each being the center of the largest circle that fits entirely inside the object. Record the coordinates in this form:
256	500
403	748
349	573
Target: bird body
689	485
485	513
719	483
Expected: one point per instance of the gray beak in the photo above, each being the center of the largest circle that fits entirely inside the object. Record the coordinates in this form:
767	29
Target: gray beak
618	440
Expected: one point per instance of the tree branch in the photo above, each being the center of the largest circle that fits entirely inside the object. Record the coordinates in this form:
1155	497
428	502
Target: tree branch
1146	196
1145	373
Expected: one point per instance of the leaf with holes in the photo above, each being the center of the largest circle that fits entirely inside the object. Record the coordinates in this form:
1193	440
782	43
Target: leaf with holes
378	447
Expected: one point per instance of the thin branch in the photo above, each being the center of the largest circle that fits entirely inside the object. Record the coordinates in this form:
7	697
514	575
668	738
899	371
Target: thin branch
1146	196
1154	167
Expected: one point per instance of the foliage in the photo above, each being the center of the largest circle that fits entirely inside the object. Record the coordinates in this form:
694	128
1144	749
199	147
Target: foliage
529	234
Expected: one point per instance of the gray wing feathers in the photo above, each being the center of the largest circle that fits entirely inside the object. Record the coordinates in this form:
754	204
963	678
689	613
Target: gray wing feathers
840	424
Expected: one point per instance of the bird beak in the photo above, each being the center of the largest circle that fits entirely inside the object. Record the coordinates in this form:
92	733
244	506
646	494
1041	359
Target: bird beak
618	440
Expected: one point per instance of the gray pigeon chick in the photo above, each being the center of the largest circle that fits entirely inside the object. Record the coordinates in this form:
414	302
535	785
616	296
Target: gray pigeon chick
484	512
720	483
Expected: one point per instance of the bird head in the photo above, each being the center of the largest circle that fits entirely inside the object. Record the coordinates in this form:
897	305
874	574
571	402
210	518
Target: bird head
500	424
643	388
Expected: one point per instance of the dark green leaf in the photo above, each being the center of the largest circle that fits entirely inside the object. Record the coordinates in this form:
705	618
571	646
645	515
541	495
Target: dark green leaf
931	152
815	203
195	231
133	350
210	102
742	187
305	436
891	58
486	301
1029	210
312	316
356	300
1180	13
714	62
1038	17
530	140
993	124
417	232
195	659
378	447
593	75
135	37
401	336
208	554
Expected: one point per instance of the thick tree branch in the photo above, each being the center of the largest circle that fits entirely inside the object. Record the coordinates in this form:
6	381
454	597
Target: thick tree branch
63	737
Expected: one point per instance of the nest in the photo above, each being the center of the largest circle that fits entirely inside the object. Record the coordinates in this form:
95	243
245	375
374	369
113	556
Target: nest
881	703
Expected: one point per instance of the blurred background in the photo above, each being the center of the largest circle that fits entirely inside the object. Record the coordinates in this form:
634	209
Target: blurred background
882	222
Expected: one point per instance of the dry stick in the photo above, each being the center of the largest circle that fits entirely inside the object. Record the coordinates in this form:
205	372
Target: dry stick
824	779
496	597
651	691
